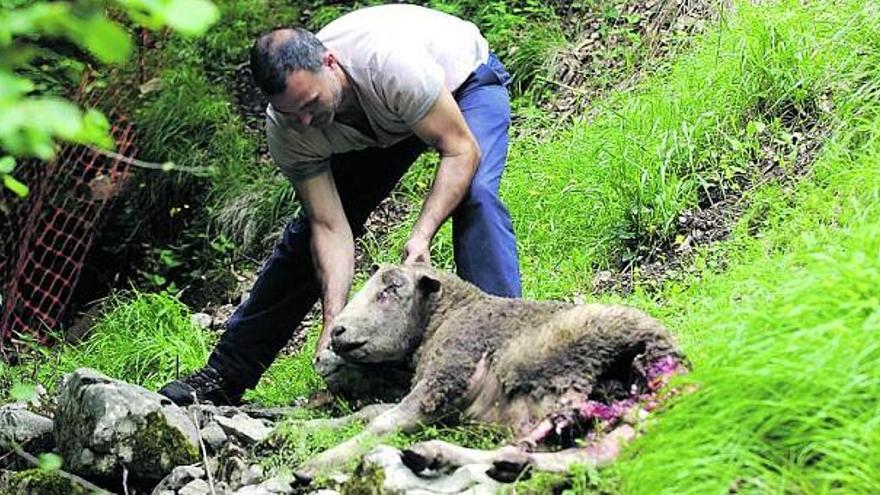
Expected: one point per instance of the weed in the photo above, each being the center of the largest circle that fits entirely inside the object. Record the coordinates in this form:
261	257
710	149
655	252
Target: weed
141	338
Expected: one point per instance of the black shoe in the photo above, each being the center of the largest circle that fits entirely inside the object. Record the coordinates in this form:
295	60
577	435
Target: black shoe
205	385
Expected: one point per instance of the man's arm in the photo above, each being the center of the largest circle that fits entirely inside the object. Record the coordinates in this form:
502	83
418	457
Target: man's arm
444	128
332	245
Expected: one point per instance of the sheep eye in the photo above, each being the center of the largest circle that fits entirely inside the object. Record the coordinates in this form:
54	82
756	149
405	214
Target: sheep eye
385	293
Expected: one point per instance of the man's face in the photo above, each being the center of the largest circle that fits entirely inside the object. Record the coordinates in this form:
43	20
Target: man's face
311	97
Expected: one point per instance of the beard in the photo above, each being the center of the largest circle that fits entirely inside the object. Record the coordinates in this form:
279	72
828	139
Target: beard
323	119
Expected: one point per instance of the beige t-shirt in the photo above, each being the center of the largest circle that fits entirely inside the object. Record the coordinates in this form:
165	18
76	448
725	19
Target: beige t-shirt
397	57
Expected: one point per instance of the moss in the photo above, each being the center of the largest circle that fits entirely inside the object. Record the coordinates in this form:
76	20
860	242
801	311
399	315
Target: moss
158	436
366	480
40	481
539	483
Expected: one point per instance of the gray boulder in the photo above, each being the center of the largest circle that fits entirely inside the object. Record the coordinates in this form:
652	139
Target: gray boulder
103	425
28	430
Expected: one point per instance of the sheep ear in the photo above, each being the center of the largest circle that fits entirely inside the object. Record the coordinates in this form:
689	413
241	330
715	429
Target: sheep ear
428	285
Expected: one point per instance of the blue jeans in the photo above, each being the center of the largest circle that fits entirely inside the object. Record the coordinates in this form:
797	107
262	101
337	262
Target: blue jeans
484	243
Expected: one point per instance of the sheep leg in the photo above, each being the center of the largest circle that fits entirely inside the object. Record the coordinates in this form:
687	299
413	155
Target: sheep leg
600	453
438	454
406	416
365	414
510	461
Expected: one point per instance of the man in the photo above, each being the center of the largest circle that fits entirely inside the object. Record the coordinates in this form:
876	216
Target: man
349	111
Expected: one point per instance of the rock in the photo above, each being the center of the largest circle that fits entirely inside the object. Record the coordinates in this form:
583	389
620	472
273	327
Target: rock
213	436
271	486
396	477
245	428
202	320
252	475
179	477
195	487
38	481
103	424
21	427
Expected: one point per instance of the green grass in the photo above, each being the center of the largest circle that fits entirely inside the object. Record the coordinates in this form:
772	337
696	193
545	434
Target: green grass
289	377
782	340
140	338
616	183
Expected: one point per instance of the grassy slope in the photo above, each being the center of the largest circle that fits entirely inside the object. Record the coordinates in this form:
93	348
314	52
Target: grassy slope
784	343
782	340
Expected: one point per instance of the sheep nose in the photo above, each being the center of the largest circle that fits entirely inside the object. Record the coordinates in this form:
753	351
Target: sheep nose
339	330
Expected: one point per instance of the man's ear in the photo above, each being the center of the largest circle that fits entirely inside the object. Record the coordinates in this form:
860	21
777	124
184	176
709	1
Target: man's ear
428	284
330	59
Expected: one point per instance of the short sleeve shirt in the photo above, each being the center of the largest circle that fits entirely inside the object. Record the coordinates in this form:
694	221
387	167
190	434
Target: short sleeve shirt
397	58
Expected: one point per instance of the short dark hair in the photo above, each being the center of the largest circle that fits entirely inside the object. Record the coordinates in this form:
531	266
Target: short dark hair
277	53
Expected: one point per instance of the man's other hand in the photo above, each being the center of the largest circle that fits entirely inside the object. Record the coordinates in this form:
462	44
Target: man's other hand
417	250
324	339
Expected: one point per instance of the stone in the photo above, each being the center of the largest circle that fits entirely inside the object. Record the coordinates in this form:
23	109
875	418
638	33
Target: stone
30	431
252	475
178	478
471	479
195	487
38	481
213	436
271	486
103	425
243	427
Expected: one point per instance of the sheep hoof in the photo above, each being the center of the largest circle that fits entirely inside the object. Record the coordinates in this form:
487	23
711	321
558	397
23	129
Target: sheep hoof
304	476
420	457
509	466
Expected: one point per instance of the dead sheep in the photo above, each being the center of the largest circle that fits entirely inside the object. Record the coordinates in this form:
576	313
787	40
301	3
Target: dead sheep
541	368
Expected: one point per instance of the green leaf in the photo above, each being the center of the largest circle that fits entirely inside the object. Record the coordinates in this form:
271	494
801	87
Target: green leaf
49	462
12	86
7	165
15	186
106	40
96	129
55	115
23	392
755	127
192	17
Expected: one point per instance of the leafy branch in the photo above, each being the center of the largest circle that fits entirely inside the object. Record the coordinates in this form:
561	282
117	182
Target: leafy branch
32	123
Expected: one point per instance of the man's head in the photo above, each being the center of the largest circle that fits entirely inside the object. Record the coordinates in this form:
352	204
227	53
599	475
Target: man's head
299	75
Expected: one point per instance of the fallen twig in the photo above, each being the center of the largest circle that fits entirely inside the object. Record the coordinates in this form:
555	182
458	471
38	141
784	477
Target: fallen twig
203	449
165	167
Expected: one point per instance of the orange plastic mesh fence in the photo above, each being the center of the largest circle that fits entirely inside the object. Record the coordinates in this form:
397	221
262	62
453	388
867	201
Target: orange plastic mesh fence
45	237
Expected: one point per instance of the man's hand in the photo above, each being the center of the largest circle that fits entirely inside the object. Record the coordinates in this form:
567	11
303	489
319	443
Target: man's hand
332	246
443	128
417	250
324	339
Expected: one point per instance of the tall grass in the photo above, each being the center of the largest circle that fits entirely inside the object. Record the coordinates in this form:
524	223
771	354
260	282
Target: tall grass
140	338
786	359
616	183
